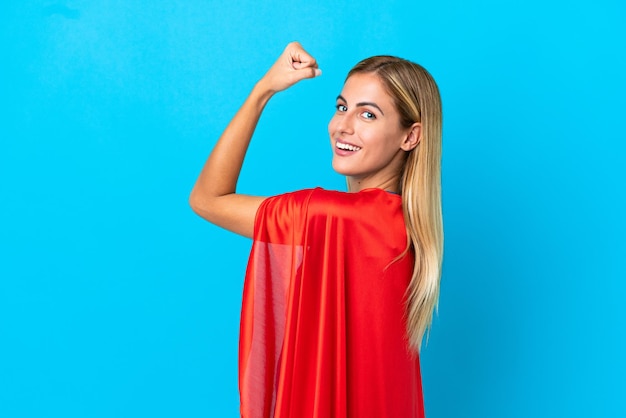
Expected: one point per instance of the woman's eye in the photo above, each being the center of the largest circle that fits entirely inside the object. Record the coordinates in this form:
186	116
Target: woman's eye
341	108
368	115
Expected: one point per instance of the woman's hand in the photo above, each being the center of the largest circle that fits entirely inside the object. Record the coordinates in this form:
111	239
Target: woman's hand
293	65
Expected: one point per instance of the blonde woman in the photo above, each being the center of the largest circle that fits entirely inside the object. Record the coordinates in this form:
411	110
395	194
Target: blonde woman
340	286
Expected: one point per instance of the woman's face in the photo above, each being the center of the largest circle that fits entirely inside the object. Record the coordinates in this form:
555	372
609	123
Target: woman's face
367	139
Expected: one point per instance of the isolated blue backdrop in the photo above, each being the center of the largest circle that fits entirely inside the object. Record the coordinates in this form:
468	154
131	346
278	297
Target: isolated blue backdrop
117	301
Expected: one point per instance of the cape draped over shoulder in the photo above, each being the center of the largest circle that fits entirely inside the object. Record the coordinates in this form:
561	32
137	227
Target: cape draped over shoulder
323	327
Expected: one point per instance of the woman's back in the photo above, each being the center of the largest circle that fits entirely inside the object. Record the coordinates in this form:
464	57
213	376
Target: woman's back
323	321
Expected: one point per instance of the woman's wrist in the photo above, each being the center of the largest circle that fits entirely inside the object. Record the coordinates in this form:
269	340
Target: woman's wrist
261	92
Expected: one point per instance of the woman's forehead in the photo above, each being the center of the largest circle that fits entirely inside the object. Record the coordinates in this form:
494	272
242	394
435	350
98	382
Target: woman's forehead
365	83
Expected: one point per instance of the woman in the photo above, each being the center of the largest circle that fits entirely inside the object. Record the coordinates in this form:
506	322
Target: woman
340	287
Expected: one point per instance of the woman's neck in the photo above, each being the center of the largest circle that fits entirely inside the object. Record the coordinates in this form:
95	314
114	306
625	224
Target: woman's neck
355	185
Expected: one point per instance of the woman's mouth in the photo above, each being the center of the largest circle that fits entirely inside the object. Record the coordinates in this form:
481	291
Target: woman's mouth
344	146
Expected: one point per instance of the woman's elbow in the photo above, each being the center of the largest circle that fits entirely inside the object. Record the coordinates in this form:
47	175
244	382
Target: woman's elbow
193	199
199	204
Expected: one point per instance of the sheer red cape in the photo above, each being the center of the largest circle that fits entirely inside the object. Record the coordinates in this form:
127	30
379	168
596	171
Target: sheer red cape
323	317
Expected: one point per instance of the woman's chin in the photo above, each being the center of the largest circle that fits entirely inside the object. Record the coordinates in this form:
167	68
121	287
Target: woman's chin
341	168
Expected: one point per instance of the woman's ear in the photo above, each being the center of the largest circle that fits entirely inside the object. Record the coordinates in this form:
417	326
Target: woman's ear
413	137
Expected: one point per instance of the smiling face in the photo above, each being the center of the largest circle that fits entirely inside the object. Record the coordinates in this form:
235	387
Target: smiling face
368	140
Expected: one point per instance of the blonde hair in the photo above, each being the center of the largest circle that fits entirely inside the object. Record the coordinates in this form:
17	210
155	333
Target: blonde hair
417	99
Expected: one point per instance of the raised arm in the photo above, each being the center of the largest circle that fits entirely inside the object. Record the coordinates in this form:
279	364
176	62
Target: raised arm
214	195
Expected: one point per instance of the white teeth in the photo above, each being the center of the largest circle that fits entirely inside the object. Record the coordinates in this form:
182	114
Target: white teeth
348	147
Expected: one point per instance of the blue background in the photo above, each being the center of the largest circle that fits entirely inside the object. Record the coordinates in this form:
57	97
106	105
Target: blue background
117	301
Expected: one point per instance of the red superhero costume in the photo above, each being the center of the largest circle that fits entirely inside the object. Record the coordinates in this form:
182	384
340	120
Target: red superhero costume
323	331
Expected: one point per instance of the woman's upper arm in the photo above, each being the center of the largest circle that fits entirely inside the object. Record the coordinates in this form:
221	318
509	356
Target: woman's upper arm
234	212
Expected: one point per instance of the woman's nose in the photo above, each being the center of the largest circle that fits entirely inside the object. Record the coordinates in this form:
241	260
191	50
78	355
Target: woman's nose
344	124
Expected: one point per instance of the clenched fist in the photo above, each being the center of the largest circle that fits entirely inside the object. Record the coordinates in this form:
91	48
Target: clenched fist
293	65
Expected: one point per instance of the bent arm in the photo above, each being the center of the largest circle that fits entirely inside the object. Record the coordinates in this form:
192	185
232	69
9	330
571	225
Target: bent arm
214	195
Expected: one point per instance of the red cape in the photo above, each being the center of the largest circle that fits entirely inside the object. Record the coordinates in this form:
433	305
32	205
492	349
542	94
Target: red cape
323	318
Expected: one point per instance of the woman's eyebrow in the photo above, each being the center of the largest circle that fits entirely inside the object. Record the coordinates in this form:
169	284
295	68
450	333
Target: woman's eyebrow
340	97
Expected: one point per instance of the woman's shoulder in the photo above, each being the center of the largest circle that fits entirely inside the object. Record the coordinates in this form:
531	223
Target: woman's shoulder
365	203
373	210
320	194
339	203
362	196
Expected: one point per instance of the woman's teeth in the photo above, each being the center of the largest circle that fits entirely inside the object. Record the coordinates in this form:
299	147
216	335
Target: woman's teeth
347	147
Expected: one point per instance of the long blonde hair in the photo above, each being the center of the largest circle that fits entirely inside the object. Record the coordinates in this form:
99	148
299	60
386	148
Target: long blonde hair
417	99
